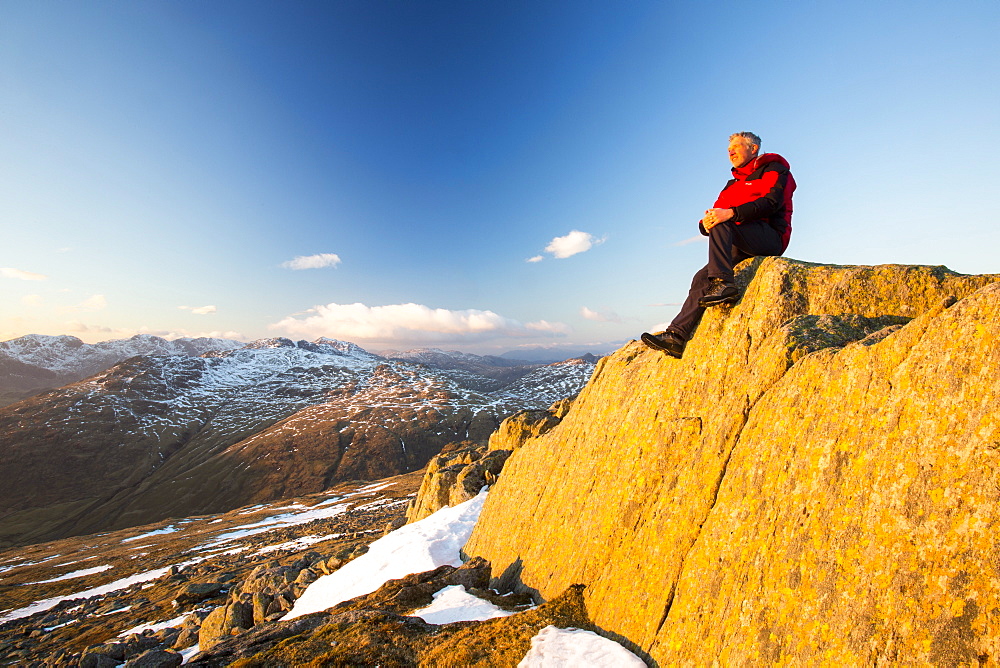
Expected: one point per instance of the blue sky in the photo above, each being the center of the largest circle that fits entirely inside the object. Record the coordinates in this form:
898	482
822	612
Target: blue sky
165	163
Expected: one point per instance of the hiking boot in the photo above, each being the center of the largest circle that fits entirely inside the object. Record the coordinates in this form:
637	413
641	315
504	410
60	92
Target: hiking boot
669	342
720	291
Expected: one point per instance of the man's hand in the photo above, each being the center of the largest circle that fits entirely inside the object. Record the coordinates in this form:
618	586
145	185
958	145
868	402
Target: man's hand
715	216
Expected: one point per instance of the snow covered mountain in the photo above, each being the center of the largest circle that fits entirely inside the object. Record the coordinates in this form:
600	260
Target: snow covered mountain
176	435
34	363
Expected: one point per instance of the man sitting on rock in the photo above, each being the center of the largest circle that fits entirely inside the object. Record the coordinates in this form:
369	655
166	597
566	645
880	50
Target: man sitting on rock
752	216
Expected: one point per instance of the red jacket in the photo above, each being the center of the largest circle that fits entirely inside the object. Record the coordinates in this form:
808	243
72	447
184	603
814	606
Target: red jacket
761	191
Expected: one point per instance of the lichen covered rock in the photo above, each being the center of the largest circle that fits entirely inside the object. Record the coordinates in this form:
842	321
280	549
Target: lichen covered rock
518	428
817	480
459	474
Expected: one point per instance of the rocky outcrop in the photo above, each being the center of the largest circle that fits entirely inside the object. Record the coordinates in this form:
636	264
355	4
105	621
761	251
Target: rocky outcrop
368	614
518	428
817	480
375	629
458	474
454	477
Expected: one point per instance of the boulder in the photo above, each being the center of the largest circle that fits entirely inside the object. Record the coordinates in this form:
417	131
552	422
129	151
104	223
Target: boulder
306	577
136	644
155	658
166	636
186	638
817	481
117	651
91	659
196	592
221	622
260	603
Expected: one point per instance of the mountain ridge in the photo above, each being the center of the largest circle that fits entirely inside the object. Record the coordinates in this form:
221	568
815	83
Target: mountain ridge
159	435
34	363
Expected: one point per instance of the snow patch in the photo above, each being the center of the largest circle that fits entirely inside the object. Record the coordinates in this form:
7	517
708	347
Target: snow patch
455	604
307	514
299	543
189	653
154	626
49	603
422	546
159	532
23	564
575	648
75	574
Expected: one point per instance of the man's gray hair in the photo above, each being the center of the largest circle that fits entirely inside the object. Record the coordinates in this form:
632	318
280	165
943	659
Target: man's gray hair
749	136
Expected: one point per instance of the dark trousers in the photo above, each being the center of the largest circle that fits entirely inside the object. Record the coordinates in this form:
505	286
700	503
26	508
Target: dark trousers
728	245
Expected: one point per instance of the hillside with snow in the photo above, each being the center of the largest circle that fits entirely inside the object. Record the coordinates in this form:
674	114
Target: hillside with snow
212	589
175	435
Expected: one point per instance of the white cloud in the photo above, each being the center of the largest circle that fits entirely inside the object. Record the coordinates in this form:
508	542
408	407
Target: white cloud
31	300
555	328
313	261
571	244
10	272
600	316
399	323
199	310
692	240
94	303
536	258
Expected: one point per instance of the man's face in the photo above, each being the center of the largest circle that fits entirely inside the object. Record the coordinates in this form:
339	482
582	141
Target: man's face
741	151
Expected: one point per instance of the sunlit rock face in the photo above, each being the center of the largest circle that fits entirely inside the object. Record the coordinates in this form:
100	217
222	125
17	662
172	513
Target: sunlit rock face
816	480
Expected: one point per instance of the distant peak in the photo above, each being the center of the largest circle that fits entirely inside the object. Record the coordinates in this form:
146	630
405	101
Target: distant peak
345	347
276	342
63	339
